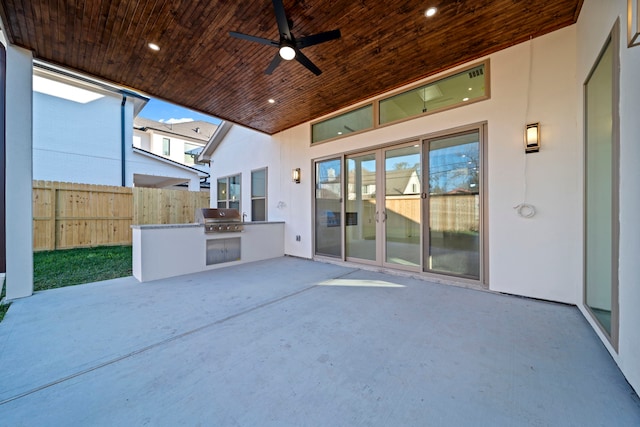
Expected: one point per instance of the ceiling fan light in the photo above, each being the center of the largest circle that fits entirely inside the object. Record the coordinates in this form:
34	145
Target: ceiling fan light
287	53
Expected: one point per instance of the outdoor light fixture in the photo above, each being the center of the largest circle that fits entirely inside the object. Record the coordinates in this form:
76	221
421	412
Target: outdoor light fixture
287	53
532	138
295	175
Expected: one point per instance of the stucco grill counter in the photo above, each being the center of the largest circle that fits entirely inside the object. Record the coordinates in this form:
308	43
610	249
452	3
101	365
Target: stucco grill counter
217	239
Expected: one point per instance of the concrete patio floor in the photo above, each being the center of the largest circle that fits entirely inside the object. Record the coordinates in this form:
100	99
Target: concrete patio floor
291	342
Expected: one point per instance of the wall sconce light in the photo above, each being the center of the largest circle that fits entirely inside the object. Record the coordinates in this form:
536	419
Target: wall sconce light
633	23
532	138
295	175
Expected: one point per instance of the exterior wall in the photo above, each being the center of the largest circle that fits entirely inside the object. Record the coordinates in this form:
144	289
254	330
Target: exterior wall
19	278
141	140
538	257
177	147
140	164
248	150
594	25
82	143
74	142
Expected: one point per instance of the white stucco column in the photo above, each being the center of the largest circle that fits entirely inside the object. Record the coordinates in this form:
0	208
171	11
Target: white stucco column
194	184
19	172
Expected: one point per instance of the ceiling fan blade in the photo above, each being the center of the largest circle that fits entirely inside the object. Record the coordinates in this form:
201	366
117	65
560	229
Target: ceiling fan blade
274	63
301	58
281	18
254	39
317	38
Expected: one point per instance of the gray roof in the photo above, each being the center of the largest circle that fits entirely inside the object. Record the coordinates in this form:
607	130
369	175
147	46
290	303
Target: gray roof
198	129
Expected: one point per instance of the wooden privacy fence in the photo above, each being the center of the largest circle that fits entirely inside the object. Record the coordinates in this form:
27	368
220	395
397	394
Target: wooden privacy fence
70	215
159	206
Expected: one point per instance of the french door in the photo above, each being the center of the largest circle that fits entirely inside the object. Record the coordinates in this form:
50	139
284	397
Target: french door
416	206
382	207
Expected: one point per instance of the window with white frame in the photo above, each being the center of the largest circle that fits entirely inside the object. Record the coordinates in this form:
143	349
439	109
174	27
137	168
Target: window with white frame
166	147
229	192
259	195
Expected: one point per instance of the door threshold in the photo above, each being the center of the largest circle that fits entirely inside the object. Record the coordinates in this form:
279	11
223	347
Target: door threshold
426	277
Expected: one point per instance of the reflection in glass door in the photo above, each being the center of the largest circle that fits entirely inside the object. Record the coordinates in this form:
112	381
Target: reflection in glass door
328	208
453	205
601	189
362	215
402	205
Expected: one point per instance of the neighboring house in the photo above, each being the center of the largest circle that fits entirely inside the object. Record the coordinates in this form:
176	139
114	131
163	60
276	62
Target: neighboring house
83	132
180	142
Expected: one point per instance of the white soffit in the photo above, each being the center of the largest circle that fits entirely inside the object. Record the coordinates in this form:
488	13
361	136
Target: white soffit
63	90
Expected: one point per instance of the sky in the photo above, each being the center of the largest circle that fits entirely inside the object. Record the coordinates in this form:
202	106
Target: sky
165	112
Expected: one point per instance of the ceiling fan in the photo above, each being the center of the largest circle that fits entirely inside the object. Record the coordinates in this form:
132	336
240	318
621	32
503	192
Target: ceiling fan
289	46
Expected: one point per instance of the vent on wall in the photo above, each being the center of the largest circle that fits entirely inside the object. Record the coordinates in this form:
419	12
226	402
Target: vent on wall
476	72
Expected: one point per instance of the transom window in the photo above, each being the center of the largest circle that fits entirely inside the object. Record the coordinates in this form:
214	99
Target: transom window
454	90
344	124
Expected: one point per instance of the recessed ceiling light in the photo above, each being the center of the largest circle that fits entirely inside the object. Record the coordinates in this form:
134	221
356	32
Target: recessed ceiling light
465	99
339	133
154	46
272	101
470	88
430	12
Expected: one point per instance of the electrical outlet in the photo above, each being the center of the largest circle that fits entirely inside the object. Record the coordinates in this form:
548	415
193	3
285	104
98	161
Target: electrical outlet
298	237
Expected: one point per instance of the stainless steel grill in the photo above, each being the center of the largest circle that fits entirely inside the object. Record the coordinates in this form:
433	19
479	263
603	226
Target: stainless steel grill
219	220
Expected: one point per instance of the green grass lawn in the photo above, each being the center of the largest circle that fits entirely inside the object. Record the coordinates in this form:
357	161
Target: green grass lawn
56	269
3	310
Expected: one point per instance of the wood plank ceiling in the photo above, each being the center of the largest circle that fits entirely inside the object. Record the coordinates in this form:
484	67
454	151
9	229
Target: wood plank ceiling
384	45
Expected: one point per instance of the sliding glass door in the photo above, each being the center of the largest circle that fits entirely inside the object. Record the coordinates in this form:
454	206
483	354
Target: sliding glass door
601	189
452	205
415	206
328	208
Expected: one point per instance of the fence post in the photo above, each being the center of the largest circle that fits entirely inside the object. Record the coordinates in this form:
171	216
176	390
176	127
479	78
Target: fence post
54	209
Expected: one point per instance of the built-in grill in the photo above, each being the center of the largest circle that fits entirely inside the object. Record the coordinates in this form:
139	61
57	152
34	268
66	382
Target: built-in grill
219	220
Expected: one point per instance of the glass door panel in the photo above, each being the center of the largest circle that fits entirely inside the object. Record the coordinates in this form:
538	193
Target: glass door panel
402	206
361	211
600	267
453	204
328	208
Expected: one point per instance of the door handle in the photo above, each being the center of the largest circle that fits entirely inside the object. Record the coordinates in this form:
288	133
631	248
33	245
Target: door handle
384	213
377	216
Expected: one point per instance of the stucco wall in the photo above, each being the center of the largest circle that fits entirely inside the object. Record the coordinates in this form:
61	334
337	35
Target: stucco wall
76	142
19	278
538	257
245	150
